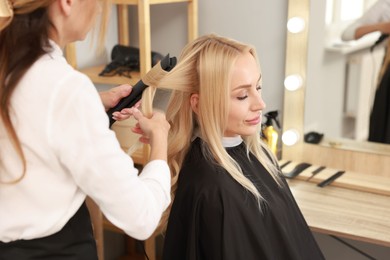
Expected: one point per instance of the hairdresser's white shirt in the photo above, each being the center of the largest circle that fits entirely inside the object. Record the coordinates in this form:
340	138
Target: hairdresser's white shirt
71	153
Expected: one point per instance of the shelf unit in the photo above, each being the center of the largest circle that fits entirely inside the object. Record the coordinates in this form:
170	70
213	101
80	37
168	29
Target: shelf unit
143	7
140	156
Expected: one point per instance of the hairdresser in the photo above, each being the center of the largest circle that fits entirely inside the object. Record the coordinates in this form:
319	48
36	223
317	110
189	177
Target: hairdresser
56	146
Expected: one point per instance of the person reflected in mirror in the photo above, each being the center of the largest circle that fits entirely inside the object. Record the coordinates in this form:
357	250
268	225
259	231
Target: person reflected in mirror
376	19
230	198
56	146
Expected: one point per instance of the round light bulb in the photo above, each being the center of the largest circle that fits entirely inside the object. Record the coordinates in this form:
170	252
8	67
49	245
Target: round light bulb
293	82
295	24
290	137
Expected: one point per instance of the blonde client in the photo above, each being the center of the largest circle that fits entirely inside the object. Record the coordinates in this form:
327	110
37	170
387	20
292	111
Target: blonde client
230	199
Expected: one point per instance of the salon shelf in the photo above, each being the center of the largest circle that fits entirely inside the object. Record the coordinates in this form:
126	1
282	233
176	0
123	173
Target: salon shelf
93	74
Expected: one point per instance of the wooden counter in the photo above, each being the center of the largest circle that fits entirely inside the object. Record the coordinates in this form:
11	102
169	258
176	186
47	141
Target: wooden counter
344	212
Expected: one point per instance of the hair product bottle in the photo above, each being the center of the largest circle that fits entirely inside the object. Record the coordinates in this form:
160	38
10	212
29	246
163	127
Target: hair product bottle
269	133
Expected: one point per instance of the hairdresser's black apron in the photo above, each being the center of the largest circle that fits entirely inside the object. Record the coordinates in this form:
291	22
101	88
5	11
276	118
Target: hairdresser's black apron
379	130
74	242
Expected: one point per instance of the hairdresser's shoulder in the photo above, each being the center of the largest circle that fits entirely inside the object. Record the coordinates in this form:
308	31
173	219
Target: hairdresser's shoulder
53	67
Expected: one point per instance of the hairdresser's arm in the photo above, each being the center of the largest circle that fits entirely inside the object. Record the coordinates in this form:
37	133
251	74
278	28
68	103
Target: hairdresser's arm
383	27
358	30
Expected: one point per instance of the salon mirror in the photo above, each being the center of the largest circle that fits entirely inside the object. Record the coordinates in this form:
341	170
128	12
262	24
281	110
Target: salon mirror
314	105
340	77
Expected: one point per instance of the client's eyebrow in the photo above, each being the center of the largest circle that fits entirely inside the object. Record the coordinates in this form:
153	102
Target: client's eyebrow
242	86
247	85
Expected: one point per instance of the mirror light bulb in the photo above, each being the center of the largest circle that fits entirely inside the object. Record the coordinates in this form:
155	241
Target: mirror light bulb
290	137
295	24
293	82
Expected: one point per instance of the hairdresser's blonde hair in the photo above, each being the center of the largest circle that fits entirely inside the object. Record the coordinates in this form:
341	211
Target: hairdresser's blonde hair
205	68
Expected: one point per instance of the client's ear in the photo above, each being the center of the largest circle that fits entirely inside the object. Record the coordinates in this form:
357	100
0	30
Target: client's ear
194	100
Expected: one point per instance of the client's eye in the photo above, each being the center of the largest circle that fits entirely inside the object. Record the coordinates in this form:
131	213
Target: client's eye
242	97
243	94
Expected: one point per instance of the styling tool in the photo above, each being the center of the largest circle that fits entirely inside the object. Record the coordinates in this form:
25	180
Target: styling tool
165	64
297	170
285	164
315	172
330	179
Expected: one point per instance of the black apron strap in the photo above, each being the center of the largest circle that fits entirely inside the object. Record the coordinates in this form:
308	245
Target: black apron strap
74	242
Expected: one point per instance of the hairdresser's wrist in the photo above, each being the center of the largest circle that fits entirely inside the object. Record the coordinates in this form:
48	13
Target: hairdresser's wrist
159	148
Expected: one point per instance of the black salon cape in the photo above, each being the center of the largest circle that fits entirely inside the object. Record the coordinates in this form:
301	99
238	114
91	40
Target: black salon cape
213	217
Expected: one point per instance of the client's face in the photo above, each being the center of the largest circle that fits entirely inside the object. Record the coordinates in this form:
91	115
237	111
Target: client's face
246	102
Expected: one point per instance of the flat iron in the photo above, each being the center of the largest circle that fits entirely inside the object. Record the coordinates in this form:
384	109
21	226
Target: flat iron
166	64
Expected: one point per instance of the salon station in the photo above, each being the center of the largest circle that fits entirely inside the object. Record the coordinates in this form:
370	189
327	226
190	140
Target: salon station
340	181
344	191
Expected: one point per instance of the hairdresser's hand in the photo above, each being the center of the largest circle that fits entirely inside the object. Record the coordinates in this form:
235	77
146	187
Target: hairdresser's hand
153	131
124	113
111	97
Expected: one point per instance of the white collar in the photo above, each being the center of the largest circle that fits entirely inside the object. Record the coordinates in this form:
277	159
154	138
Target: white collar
226	141
55	49
231	141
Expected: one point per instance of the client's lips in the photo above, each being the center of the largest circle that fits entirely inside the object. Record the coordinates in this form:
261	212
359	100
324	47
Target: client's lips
254	121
